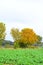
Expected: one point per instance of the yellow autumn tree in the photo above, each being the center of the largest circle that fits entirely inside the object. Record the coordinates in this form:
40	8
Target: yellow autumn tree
28	36
2	31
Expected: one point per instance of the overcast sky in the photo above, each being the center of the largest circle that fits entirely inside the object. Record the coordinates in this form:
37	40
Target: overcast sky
22	13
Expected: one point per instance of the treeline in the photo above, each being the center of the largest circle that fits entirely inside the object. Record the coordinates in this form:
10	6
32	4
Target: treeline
22	39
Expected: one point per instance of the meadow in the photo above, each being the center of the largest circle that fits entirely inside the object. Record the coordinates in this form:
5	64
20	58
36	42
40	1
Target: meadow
21	56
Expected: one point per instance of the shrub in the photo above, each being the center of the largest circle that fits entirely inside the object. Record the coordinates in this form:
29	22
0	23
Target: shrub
16	45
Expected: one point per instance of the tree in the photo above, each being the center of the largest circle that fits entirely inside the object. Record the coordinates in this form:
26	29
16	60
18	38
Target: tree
15	33
16	36
28	36
39	39
2	31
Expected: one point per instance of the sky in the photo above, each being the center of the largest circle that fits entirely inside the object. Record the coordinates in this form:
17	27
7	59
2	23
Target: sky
22	14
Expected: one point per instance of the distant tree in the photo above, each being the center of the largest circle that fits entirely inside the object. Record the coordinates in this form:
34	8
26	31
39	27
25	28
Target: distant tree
39	39
2	31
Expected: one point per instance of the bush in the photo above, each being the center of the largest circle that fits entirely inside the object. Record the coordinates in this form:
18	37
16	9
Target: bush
20	45
16	45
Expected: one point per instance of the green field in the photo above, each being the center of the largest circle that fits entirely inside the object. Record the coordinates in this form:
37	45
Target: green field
21	56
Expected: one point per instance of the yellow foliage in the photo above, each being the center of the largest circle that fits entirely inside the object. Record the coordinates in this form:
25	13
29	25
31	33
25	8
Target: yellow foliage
2	30
28	36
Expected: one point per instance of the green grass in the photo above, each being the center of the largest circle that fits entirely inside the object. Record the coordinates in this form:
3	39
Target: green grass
21	56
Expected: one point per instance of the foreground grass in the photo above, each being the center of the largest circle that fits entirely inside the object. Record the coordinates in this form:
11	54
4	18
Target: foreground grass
21	56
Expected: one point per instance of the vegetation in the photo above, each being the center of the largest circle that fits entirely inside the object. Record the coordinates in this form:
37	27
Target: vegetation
39	39
2	32
22	39
28	36
25	37
21	56
15	33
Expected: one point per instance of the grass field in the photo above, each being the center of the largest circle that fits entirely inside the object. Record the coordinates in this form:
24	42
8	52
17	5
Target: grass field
21	56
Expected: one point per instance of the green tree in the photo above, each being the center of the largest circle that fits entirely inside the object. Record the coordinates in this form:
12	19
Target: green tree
15	34
39	39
